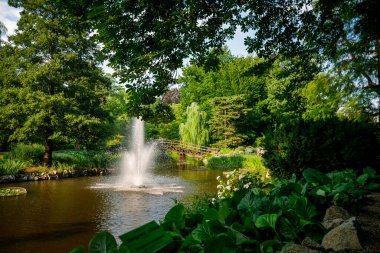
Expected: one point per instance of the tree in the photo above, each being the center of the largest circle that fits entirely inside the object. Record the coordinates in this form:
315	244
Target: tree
225	114
194	129
3	29
148	40
54	89
343	33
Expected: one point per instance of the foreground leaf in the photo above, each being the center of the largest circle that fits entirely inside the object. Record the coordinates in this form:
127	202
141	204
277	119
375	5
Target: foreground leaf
267	220
102	242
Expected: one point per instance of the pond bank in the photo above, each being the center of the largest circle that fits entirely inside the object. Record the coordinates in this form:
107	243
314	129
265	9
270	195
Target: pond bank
53	175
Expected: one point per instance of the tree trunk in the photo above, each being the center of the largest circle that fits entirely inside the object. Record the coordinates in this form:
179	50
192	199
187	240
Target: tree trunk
48	154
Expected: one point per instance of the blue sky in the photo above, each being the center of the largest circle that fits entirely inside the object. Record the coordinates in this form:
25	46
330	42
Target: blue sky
9	16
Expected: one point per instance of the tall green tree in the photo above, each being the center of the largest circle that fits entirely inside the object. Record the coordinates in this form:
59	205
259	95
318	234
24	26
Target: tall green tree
194	130
54	89
225	115
343	33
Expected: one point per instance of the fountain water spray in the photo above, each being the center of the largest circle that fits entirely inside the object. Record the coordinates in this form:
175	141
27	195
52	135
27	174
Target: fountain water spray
135	164
137	160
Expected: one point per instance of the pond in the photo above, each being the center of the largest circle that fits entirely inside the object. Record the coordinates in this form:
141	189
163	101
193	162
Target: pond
56	216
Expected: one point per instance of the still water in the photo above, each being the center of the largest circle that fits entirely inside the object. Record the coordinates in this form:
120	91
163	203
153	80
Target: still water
56	216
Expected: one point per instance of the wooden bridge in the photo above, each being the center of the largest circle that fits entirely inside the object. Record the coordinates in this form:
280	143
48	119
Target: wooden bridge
183	148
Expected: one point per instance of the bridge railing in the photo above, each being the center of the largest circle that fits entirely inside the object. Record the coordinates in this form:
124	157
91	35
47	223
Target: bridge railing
186	147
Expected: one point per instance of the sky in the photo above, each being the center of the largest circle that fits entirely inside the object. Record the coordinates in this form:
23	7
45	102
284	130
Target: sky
9	17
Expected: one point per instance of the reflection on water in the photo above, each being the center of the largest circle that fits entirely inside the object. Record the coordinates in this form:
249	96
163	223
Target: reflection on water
56	216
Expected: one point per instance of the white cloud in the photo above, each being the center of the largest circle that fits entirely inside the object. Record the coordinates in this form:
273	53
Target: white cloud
9	16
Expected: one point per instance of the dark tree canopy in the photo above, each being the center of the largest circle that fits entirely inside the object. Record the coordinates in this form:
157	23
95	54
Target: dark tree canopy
147	41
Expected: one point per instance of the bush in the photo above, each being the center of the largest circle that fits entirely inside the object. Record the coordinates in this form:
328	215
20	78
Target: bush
225	162
31	153
247	161
325	145
11	166
84	159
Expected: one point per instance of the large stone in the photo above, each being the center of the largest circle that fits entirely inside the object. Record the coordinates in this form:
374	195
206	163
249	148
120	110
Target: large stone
335	216
310	243
296	248
344	237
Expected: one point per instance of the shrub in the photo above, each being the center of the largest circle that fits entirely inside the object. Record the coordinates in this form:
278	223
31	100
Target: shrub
11	166
31	153
324	145
225	162
240	179
85	159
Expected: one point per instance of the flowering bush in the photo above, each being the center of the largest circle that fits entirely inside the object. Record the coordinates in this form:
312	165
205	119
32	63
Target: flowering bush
239	179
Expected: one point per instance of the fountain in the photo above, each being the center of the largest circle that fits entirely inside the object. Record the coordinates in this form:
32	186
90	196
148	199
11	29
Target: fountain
137	160
135	164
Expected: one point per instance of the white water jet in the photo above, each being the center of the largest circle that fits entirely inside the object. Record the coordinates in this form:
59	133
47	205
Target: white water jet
135	164
139	157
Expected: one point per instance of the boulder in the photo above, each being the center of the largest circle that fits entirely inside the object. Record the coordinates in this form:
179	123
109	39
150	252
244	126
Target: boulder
344	237
296	248
335	216
310	243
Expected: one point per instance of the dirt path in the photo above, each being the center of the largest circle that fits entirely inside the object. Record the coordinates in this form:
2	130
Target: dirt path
368	215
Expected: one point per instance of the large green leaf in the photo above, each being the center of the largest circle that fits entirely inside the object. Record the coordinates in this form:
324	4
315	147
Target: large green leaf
79	249
211	215
203	232
247	203
305	209
370	172
267	220
362	179
315	177
286	229
219	244
268	246
174	218
102	242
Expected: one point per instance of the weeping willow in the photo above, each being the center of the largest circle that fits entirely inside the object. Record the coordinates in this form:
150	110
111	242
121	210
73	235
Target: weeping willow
194	129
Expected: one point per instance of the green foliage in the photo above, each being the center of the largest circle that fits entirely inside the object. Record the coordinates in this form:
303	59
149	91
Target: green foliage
225	162
226	111
194	129
11	166
262	218
83	159
31	153
325	145
58	166
236	161
52	90
240	179
341	187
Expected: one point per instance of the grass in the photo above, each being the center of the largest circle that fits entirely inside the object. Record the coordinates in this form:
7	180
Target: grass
11	166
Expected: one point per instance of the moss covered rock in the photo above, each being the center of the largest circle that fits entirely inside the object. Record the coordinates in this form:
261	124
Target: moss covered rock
12	191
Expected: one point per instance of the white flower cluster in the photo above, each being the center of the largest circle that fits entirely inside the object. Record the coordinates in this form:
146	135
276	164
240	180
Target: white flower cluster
235	180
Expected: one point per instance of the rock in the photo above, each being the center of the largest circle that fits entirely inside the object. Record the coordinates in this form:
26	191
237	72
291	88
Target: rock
310	243
296	248
330	224
53	176
7	179
22	178
335	216
344	237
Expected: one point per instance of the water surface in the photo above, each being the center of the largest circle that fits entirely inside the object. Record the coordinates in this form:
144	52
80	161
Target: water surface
56	216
